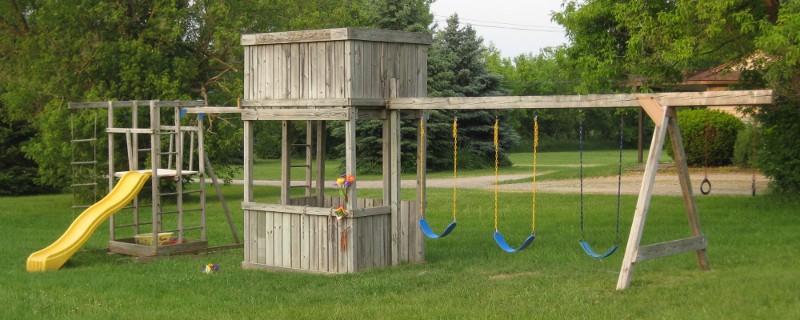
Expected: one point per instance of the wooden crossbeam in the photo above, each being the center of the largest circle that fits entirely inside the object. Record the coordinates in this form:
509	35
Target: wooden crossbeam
170	104
652	108
672	99
296	114
669	248
212	110
105	104
326	102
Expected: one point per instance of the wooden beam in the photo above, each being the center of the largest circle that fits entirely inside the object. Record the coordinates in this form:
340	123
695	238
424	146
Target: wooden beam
296	114
339	34
395	166
652	108
212	110
416	241
169	104
642	205
320	159
669	248
129	130
673	99
366	212
323	102
350	155
375	114
104	104
248	162
679	155
286	162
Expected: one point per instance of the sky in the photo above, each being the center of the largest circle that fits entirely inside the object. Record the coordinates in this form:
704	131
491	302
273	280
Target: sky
514	26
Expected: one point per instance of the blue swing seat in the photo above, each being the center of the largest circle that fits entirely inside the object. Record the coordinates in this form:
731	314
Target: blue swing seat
586	247
498	237
426	229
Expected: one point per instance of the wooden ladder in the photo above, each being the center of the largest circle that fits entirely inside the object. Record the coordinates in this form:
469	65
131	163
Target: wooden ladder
286	161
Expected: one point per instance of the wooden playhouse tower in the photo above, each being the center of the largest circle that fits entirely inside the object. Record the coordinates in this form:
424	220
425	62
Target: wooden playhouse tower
331	75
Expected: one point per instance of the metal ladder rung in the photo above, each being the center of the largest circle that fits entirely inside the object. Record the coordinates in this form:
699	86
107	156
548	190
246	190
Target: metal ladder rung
145	149
299	186
169	152
83	140
300	166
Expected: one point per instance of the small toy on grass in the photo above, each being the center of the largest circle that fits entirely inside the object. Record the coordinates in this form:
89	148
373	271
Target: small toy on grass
210	268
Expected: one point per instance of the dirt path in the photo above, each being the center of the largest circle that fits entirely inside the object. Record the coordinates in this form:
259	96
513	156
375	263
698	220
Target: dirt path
666	184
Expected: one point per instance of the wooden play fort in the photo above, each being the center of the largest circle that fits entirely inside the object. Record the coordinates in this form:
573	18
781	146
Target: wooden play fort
164	139
352	75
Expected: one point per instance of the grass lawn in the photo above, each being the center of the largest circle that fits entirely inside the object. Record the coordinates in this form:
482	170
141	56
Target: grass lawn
551	165
752	250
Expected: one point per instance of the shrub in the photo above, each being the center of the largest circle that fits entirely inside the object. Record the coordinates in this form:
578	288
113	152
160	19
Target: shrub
743	149
708	136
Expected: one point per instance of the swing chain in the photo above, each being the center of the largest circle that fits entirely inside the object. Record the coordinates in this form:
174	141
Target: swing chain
455	160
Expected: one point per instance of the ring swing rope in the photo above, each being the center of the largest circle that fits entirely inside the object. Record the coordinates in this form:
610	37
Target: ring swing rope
753	158
585	244
705	186
423	223
498	237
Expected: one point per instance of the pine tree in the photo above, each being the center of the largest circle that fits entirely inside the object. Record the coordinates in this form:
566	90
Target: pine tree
457	67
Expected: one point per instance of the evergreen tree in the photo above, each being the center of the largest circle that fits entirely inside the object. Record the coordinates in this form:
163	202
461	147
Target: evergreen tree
458	68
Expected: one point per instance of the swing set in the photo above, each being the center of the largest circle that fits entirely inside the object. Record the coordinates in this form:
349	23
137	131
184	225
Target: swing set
661	108
498	236
352	75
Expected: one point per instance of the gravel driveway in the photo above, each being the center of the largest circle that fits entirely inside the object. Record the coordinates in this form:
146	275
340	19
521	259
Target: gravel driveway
666	184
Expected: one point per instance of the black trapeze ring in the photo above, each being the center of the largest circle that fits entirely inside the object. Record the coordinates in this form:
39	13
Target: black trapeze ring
703	189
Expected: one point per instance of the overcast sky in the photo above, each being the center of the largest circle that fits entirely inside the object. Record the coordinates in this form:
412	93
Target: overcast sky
514	26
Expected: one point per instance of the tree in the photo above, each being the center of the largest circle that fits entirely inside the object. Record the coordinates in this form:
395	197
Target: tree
53	52
458	67
404	15
656	41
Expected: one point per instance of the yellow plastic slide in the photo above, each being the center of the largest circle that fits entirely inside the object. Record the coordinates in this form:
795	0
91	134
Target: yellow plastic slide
56	254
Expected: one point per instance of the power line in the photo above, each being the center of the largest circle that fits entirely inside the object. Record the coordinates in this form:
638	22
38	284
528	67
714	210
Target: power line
506	25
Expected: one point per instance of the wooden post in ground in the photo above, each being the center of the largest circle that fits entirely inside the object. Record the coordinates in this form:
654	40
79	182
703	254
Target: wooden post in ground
679	153
348	229
393	199
415	240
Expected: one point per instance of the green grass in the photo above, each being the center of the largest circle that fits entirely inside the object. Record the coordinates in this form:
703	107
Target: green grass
752	250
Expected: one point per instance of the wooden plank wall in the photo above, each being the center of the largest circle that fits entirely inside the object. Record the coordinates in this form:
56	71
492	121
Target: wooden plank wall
312	242
335	69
